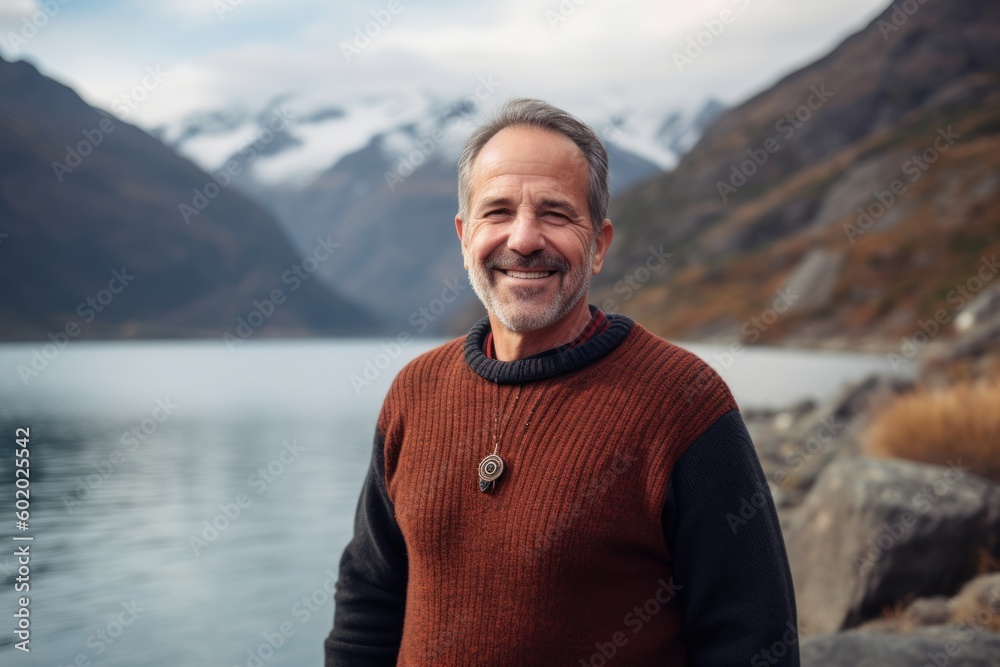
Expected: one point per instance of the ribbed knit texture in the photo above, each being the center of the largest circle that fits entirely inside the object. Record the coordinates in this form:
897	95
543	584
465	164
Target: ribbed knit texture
549	565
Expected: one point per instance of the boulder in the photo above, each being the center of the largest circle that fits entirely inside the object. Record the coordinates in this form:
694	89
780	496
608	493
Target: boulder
873	534
960	646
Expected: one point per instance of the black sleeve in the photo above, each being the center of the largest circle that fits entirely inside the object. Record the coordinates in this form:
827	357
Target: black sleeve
370	594
728	554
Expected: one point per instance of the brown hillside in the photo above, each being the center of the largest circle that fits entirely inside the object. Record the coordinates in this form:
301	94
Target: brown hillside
769	199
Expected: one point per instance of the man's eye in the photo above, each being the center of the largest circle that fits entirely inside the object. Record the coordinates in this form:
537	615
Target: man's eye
555	214
496	212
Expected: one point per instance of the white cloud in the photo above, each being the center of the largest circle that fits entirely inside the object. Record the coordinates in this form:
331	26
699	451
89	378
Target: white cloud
601	53
17	9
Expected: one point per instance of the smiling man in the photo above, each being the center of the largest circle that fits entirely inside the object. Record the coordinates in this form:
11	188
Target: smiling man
544	490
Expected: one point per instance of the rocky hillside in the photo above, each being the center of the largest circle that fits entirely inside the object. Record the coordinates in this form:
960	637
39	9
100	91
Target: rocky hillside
851	203
107	233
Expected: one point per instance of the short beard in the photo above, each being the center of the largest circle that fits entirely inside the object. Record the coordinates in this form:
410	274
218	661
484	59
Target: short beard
510	313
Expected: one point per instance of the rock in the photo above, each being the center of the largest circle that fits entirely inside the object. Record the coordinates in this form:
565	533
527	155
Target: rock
793	458
873	533
815	278
976	329
983	309
928	611
978	603
941	646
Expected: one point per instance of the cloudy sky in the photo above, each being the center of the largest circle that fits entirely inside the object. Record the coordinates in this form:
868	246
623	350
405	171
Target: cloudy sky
215	54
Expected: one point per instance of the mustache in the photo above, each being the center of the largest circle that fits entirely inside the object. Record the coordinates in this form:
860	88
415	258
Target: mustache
511	260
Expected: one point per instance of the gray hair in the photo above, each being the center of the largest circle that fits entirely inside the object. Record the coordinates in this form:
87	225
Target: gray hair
537	113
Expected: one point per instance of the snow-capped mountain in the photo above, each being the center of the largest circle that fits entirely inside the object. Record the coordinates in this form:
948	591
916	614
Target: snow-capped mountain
378	173
320	135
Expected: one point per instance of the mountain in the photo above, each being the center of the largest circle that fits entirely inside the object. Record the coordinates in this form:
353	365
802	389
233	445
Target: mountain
855	202
380	172
107	233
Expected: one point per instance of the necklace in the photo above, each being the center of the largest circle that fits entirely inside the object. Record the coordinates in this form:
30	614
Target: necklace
492	466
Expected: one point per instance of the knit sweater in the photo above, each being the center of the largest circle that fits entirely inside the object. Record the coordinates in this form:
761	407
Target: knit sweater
608	539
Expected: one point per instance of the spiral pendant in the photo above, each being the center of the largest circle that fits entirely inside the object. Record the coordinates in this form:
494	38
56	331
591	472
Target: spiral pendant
490	469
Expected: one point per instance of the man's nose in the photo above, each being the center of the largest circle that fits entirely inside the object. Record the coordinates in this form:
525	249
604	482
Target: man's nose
525	233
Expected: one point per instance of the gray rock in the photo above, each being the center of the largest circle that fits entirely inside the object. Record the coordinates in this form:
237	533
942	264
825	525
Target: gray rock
794	458
959	646
873	533
929	611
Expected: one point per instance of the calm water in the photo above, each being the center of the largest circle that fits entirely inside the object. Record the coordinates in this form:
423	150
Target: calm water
136	446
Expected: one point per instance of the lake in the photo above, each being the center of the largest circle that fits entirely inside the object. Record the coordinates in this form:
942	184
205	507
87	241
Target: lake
189	505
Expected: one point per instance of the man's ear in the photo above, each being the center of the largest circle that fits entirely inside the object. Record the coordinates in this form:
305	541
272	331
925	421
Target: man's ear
603	241
458	229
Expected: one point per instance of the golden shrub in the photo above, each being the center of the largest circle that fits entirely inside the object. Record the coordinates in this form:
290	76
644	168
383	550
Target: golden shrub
959	423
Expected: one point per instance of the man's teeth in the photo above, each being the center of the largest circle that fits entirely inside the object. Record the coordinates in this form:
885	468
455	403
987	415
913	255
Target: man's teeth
526	274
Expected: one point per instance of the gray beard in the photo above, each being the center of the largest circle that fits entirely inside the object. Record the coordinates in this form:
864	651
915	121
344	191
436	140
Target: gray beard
512	315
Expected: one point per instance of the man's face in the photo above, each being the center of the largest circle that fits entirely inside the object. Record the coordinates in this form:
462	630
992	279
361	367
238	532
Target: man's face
527	239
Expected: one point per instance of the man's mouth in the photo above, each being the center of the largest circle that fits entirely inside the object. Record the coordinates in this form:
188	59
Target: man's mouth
530	275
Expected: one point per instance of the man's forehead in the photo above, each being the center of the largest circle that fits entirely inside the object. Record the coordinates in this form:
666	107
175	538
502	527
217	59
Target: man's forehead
529	150
518	155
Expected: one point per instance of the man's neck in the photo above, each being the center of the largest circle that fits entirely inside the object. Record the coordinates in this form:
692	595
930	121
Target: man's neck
510	345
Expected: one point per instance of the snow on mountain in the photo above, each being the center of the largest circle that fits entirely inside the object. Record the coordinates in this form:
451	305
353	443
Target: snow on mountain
413	125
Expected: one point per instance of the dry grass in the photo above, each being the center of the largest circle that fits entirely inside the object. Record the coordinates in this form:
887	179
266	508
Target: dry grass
941	426
978	603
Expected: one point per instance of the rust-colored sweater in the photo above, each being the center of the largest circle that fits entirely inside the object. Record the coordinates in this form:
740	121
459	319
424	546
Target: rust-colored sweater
602	543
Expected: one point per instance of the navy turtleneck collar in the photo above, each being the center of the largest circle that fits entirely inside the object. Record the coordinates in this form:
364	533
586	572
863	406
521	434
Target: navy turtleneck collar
542	366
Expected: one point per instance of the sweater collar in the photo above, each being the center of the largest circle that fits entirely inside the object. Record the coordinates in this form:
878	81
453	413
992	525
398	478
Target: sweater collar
546	366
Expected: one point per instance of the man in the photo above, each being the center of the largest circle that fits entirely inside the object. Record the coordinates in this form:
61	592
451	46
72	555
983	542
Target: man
544	490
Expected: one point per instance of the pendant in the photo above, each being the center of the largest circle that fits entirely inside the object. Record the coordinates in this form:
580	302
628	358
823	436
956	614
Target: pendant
490	469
